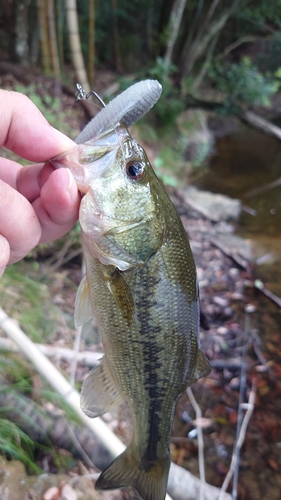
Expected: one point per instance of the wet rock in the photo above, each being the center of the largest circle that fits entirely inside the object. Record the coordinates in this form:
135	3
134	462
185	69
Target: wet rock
236	247
216	207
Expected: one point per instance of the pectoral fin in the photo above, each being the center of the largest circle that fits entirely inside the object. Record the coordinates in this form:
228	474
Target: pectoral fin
83	307
99	393
202	367
120	291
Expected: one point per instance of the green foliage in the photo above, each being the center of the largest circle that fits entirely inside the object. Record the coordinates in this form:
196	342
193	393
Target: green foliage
168	108
262	12
202	152
164	114
18	383
14	443
164	166
243	84
28	301
50	107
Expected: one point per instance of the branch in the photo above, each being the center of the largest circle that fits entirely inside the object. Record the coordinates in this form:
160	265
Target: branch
261	124
240	41
178	477
88	358
260	286
174	26
198	413
248	117
234	461
59	383
74	362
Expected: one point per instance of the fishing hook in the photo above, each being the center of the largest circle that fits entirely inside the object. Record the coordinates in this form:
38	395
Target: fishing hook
81	94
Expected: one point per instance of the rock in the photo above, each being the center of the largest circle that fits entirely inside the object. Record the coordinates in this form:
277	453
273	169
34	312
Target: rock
12	480
16	485
236	247
196	139
216	207
221	126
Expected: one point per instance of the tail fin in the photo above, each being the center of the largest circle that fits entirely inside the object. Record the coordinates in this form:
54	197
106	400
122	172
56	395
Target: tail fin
149	478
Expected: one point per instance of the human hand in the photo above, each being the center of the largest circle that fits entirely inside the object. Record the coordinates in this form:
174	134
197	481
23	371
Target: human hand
37	203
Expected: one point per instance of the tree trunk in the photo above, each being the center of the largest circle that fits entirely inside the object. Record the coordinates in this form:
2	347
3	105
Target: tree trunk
21	48
91	54
60	17
173	30
75	45
193	50
118	62
53	38
44	35
205	66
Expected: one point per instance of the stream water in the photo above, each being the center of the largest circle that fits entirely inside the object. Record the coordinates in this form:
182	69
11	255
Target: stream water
244	165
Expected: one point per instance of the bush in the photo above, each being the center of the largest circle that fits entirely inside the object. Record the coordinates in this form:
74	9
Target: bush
243	84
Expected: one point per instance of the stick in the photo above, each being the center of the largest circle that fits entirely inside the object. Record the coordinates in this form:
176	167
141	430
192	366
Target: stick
92	359
60	384
74	361
198	413
250	408
182	484
87	358
260	286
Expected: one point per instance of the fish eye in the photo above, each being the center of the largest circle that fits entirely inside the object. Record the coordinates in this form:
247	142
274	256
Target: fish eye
135	170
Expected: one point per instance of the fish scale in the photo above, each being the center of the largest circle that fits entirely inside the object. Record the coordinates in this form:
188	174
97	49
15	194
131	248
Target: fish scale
141	286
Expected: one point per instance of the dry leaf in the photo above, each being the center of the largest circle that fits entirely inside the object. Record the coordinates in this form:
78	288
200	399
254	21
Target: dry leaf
202	422
52	493
68	493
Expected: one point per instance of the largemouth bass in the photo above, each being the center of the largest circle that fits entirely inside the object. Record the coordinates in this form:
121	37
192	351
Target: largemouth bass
141	285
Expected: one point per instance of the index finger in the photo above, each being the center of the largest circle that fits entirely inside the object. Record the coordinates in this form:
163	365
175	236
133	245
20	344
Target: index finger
26	132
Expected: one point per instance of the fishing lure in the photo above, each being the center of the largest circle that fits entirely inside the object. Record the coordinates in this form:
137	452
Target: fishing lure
127	108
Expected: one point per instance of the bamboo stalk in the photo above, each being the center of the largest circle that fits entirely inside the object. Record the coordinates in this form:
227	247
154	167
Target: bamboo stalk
91	53
53	38
44	36
118	61
75	45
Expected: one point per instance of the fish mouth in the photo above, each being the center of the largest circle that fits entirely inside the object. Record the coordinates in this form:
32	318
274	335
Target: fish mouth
90	160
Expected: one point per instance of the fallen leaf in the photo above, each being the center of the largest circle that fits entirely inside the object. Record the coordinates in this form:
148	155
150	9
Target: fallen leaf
202	422
68	493
52	493
273	464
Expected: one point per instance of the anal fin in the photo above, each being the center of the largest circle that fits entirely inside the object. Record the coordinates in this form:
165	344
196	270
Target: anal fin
202	367
99	393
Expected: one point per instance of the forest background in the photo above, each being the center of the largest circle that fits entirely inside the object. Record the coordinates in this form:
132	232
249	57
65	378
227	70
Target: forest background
217	56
